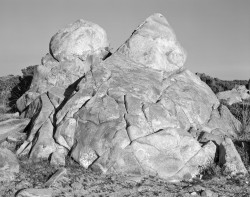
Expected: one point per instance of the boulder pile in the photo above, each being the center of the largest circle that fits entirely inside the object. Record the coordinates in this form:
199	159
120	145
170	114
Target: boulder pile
137	111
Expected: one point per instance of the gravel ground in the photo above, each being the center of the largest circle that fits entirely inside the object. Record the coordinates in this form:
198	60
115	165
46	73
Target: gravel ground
81	182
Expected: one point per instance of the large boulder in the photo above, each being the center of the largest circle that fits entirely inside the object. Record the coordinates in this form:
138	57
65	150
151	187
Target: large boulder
131	113
154	45
79	40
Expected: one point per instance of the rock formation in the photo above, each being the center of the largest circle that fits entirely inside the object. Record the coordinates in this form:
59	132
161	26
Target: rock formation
236	95
134	112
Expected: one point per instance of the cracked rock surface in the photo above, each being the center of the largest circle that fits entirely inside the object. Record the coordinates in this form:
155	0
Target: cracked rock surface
130	113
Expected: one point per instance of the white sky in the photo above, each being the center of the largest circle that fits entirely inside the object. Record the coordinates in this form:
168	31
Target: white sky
215	33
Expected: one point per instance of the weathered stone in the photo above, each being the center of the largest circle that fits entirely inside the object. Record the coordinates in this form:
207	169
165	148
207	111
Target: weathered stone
172	145
206	137
79	40
193	96
25	100
55	177
74	104
33	109
197	162
12	126
93	140
235	95
60	74
58	157
208	193
40	114
65	133
45	144
24	148
137	112
56	96
222	119
15	137
32	192
230	158
8	165
153	44
7	116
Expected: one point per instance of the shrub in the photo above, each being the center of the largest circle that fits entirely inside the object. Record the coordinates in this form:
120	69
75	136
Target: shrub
19	89
241	111
7	83
218	85
210	170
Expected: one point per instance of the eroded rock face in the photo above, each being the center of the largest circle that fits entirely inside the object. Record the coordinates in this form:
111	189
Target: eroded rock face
131	113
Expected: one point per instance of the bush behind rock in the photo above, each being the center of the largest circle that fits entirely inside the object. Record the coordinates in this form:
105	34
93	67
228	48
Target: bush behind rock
218	85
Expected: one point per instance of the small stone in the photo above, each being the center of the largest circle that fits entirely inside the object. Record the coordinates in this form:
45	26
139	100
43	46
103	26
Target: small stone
55	177
35	193
208	193
76	185
194	194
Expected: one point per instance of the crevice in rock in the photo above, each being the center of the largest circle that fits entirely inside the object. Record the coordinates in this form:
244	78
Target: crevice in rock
142	169
97	157
84	104
184	165
34	141
68	94
125	103
144	113
211	115
162	129
126	128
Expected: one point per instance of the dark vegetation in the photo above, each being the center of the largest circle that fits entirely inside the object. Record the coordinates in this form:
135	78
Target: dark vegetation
7	83
218	85
241	111
13	87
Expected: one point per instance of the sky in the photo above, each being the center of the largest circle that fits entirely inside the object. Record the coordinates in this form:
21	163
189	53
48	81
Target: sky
215	33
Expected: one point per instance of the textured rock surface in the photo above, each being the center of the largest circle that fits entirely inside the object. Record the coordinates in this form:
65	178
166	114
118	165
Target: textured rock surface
8	165
132	113
35	193
12	126
78	40
231	158
154	45
222	119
